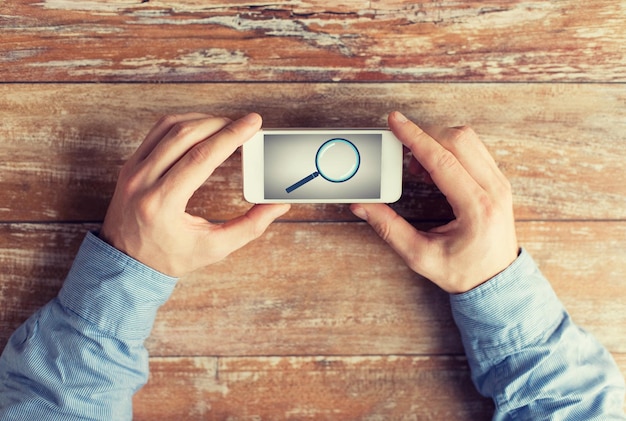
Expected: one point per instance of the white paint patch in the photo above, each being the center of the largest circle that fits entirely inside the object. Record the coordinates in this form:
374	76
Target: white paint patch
269	27
309	412
607	31
100	7
207	383
70	64
201	58
17	55
418	71
202	61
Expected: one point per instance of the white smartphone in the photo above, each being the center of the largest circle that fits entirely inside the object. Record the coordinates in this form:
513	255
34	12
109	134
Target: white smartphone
322	166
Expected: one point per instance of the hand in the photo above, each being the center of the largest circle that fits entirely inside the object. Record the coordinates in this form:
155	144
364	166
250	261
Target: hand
480	242
147	219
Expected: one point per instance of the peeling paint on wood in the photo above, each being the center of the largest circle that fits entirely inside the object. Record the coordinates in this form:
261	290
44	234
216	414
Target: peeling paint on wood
314	41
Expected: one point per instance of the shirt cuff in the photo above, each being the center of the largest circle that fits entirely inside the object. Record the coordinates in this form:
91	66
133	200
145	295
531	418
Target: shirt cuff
511	311
114	292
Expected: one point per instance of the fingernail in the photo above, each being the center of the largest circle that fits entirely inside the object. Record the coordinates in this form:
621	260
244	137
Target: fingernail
399	117
252	119
359	212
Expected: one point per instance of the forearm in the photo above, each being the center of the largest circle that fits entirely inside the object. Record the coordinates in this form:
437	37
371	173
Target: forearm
525	352
58	366
82	355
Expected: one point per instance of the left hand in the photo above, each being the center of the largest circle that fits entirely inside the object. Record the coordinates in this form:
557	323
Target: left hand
147	217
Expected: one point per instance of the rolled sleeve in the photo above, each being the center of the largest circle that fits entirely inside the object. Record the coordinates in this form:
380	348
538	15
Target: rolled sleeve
504	315
117	294
526	353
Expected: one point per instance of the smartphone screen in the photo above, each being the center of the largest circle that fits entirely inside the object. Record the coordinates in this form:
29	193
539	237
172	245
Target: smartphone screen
323	166
318	166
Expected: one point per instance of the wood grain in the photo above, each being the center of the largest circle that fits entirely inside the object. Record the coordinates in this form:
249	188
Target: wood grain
562	146
318	319
35	259
323	289
356	40
311	388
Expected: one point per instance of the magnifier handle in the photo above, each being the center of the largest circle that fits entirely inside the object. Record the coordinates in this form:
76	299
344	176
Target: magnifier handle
302	182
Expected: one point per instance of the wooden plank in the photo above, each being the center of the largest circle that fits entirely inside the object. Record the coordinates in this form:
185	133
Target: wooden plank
35	260
589	247
324	289
320	388
307	388
356	40
342	291
562	146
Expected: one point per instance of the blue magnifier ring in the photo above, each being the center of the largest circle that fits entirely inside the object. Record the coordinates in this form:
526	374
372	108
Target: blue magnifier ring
347	174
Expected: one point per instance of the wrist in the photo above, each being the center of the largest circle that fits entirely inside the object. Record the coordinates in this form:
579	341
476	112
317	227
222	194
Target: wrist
518	302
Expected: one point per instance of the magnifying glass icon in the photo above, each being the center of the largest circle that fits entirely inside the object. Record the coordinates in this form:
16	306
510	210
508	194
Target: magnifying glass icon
337	160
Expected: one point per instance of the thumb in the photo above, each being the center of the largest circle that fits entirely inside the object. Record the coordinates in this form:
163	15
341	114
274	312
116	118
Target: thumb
395	230
238	232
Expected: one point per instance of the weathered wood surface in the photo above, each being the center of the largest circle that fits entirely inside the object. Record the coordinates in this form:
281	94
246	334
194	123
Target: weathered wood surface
562	146
315	40
323	289
311	388
331	325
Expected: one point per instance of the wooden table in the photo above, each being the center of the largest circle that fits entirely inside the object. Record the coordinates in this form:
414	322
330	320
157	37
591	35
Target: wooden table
318	319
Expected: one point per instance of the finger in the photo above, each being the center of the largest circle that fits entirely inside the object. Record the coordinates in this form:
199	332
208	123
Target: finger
181	137
238	232
471	153
193	169
158	131
452	179
396	231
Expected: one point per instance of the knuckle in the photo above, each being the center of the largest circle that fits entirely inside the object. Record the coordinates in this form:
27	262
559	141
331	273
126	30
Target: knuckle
130	184
230	129
168	120
130	180
445	160
384	228
485	205
199	154
182	129
224	120
415	130
147	207
412	134
457	137
126	171
463	134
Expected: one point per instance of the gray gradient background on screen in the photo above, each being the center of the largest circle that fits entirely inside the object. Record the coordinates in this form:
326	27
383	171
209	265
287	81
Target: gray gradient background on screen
289	158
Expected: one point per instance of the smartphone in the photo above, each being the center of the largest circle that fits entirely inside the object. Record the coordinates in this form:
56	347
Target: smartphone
322	166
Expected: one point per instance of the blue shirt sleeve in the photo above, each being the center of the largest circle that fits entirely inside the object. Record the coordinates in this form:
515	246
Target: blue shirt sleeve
525	352
82	356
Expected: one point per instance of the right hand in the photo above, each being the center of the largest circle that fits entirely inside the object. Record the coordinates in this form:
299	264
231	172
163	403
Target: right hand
480	242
